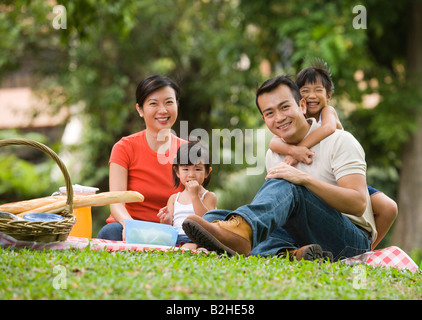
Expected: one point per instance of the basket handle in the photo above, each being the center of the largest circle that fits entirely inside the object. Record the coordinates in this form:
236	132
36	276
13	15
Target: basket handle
31	143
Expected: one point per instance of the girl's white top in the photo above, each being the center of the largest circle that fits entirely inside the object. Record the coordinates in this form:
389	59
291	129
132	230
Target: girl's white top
182	211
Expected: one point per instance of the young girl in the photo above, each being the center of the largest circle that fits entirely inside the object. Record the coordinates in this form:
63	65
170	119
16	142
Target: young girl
191	168
316	88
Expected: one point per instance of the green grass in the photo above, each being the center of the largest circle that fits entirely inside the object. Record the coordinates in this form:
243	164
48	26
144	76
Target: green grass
85	274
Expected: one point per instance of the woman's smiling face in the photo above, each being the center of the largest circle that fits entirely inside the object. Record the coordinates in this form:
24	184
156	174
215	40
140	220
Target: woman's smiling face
159	109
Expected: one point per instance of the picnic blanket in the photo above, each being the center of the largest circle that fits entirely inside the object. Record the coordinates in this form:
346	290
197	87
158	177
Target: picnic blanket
389	257
80	243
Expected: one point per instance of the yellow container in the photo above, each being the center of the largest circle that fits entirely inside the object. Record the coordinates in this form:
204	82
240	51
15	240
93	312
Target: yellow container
83	226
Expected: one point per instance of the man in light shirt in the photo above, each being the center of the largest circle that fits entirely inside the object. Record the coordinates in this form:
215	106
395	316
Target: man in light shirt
308	211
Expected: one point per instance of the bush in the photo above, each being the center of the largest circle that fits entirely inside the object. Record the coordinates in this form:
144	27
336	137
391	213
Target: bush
21	180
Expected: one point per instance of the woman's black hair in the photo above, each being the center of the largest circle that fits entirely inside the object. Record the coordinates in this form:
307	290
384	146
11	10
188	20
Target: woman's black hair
189	154
154	83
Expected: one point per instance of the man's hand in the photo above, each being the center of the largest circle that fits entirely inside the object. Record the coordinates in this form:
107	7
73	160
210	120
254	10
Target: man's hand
287	172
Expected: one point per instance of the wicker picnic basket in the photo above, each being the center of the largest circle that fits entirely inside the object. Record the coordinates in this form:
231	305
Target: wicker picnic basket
41	231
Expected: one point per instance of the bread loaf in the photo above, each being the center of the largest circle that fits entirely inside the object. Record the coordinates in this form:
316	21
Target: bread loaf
55	204
21	206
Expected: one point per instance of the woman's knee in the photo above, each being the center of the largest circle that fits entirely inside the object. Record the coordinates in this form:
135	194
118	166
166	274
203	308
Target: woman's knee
111	231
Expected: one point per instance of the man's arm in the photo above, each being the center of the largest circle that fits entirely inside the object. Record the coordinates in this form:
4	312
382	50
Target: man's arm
348	196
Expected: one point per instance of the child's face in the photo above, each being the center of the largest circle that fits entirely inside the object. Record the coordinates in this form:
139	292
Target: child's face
195	172
316	97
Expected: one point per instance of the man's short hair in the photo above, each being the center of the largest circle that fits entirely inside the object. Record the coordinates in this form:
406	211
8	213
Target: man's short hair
273	83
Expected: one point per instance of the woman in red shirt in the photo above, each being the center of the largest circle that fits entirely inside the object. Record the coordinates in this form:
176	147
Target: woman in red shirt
143	161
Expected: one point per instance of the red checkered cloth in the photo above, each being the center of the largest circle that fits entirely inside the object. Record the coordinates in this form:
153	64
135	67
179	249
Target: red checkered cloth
389	257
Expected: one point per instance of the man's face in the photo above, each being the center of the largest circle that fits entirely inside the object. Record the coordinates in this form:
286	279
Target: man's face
282	115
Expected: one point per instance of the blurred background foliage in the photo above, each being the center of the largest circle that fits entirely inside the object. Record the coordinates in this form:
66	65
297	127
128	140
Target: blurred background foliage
220	52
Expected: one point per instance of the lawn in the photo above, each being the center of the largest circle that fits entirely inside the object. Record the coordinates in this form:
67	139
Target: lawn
85	274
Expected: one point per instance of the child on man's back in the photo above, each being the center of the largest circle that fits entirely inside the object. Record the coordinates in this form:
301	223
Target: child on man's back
316	87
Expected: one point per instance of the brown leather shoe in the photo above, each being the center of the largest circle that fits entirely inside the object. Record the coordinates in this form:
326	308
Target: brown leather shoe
231	236
310	252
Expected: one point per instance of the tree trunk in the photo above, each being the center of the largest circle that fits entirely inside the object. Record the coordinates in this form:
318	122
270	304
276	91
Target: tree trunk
408	229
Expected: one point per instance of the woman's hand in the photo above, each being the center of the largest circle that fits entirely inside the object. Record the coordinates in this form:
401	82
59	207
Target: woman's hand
164	215
123	223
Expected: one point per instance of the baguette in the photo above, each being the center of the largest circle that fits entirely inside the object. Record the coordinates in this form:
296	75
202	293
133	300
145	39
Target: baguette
21	206
56	204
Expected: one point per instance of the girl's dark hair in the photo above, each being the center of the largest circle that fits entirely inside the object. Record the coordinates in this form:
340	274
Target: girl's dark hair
154	83
317	71
189	154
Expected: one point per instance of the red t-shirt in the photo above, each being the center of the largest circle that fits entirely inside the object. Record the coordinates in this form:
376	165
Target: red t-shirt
149	173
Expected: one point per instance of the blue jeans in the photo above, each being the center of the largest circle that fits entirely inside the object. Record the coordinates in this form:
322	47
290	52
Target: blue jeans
287	216
111	231
182	238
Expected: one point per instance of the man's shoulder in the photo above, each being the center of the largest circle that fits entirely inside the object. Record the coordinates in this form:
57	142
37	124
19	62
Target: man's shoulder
342	144
339	135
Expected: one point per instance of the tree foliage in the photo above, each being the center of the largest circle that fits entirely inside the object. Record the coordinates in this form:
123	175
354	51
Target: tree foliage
216	50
